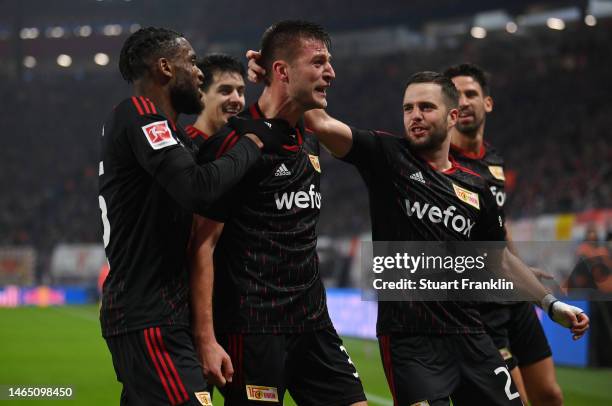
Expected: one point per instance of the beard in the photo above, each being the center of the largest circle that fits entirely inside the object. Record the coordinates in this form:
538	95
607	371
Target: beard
432	143
185	97
469	129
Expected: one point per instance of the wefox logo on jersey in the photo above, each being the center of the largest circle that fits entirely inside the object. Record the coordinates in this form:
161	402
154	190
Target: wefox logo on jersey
299	199
447	217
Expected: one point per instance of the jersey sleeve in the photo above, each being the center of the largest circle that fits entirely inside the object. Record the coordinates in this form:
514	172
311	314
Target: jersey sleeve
491	225
366	152
158	150
217	145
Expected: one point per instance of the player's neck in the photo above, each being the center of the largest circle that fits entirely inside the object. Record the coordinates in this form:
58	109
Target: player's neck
159	96
275	103
438	158
205	125
471	143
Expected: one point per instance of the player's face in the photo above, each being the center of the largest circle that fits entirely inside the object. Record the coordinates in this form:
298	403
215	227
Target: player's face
427	118
185	93
473	104
310	74
224	98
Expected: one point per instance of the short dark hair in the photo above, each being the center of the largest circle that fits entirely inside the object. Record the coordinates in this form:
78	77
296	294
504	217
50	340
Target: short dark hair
473	71
213	63
449	91
281	41
144	46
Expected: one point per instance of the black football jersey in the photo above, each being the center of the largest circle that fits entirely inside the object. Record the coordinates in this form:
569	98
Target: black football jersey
197	136
149	186
266	266
489	164
411	201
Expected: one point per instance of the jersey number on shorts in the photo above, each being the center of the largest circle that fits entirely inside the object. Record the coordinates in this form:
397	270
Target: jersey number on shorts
350	361
508	383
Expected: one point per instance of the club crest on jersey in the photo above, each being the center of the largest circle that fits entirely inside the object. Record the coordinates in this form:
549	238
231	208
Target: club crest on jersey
203	398
467	196
421	403
159	135
262	393
497	172
314	160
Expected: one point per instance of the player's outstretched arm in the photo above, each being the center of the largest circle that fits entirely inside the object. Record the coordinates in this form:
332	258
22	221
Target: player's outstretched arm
216	362
568	316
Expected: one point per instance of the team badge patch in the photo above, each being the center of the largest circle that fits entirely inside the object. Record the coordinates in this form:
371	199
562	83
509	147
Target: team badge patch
262	393
314	160
159	135
505	353
470	198
421	403
203	398
497	172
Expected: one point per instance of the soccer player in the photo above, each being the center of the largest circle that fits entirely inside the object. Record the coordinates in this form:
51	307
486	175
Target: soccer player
222	95
431	351
149	186
514	327
269	304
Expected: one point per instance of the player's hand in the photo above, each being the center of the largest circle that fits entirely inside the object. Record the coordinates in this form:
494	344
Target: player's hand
540	274
277	136
256	73
216	363
571	317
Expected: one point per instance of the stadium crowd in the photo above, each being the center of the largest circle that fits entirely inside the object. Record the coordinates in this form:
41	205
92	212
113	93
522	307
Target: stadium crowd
552	118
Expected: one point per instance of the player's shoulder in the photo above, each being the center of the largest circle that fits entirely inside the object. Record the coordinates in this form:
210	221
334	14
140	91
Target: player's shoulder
138	106
467	177
217	144
493	156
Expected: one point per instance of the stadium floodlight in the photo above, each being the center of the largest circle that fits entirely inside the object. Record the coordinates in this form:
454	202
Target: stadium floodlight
101	59
555	23
55	32
29	33
478	32
511	27
590	20
29	61
64	60
83	31
112	30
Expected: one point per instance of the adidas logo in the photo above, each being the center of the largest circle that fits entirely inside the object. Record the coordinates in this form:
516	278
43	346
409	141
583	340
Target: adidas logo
282	171
418	176
268	124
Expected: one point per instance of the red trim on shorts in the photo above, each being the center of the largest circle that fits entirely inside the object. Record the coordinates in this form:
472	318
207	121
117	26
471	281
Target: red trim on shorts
385	342
137	105
160	358
171	364
157	368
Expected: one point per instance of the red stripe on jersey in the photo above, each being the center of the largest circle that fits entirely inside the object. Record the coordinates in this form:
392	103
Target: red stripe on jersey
135	101
226	142
152	106
157	368
171	364
144	103
292	148
481	153
458	166
299	136
162	362
254	111
385	342
233	142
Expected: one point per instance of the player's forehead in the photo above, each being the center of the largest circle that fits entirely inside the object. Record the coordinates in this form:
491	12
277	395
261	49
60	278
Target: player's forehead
464	83
311	47
185	50
423	93
223	78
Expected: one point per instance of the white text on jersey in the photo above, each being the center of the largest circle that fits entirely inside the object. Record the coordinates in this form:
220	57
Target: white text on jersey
300	199
458	222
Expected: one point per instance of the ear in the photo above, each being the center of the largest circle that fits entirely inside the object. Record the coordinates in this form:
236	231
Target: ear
165	68
453	115
280	71
488	104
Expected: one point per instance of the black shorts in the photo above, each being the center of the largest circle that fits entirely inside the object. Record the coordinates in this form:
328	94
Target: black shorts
516	332
466	369
313	366
158	366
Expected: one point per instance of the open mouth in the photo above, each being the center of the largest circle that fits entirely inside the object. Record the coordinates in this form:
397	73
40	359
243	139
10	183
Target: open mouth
322	90
231	110
418	131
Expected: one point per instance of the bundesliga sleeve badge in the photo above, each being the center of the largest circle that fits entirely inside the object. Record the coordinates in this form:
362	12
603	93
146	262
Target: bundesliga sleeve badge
159	135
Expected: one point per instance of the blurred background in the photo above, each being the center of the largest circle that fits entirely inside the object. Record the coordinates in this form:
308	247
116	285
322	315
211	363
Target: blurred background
549	63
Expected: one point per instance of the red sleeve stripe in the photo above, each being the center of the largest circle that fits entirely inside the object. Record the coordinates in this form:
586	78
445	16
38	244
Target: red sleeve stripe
254	112
153	109
144	103
171	364
226	142
135	101
158	369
